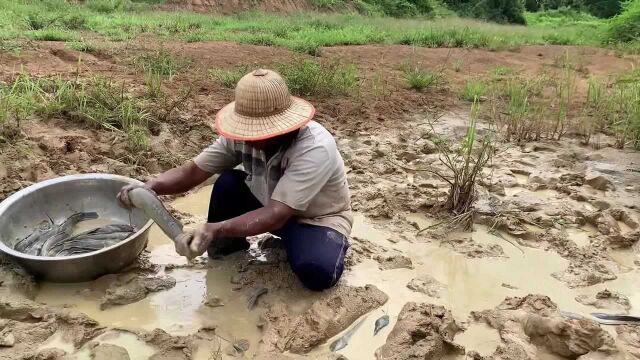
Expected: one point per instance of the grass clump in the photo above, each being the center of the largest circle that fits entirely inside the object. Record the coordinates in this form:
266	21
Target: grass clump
311	77
51	34
82	46
229	78
418	78
464	162
97	102
153	84
160	62
500	71
473	90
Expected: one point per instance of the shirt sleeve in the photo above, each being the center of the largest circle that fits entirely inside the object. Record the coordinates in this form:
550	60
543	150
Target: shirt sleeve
217	157
304	177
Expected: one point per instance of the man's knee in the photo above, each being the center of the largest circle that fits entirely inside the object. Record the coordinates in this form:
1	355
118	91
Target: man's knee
317	277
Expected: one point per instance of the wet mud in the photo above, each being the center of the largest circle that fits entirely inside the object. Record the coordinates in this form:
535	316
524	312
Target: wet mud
556	231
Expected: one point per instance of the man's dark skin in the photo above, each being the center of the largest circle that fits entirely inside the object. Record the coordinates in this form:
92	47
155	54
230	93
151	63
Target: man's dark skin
184	178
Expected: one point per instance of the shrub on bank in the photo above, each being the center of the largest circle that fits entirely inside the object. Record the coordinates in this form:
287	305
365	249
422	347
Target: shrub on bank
626	26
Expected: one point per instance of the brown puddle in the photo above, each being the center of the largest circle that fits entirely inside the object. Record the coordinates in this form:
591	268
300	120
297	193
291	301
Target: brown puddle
472	284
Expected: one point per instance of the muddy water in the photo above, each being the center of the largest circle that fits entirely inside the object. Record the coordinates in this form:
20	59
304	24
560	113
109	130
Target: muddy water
138	350
180	310
473	284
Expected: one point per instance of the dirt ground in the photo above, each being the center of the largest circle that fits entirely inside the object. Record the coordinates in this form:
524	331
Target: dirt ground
556	227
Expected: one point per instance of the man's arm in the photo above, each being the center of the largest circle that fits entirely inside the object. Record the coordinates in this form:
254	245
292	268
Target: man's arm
265	219
178	180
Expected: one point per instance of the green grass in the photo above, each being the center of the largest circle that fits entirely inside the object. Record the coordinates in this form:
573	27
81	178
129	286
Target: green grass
97	102
418	78
302	32
82	45
160	62
51	34
229	78
311	77
500	71
473	90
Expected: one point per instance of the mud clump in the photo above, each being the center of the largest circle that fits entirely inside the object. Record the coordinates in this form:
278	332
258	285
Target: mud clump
132	288
427	285
423	331
472	249
25	325
359	250
394	262
108	352
333	312
534	320
585	273
170	347
606	299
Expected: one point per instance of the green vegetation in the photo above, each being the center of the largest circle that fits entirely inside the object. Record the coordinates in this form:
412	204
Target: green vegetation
97	102
310	77
82	45
120	20
473	90
160	62
418	78
465	163
304	77
626	26
229	78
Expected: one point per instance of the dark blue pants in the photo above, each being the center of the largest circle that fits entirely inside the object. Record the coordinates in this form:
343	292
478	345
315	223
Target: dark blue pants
315	253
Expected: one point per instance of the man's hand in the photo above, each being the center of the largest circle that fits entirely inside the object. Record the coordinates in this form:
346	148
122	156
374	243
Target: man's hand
194	243
123	195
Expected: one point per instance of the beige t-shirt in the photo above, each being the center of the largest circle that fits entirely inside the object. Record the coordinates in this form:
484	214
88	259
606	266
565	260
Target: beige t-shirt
308	176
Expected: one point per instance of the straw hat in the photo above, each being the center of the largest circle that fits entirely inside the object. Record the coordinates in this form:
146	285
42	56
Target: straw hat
263	108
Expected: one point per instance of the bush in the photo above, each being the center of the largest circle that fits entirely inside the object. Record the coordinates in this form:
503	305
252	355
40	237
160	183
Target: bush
502	11
626	26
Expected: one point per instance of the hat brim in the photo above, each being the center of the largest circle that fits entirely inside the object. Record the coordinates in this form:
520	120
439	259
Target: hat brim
247	128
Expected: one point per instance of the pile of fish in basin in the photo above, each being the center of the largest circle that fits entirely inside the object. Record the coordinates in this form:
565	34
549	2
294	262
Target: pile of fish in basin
72	228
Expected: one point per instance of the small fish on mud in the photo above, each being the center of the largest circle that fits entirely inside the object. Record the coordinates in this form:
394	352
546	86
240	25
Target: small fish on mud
343	341
380	324
253	299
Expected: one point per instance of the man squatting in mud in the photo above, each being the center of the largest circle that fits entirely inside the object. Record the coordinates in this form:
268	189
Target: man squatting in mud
293	184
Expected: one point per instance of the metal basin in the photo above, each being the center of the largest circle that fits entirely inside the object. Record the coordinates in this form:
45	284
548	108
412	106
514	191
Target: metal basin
58	198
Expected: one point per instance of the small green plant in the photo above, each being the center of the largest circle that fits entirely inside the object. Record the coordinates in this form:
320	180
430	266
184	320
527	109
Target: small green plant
473	90
81	45
310	77
160	62
379	85
457	65
418	78
50	34
500	71
229	78
153	84
564	90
